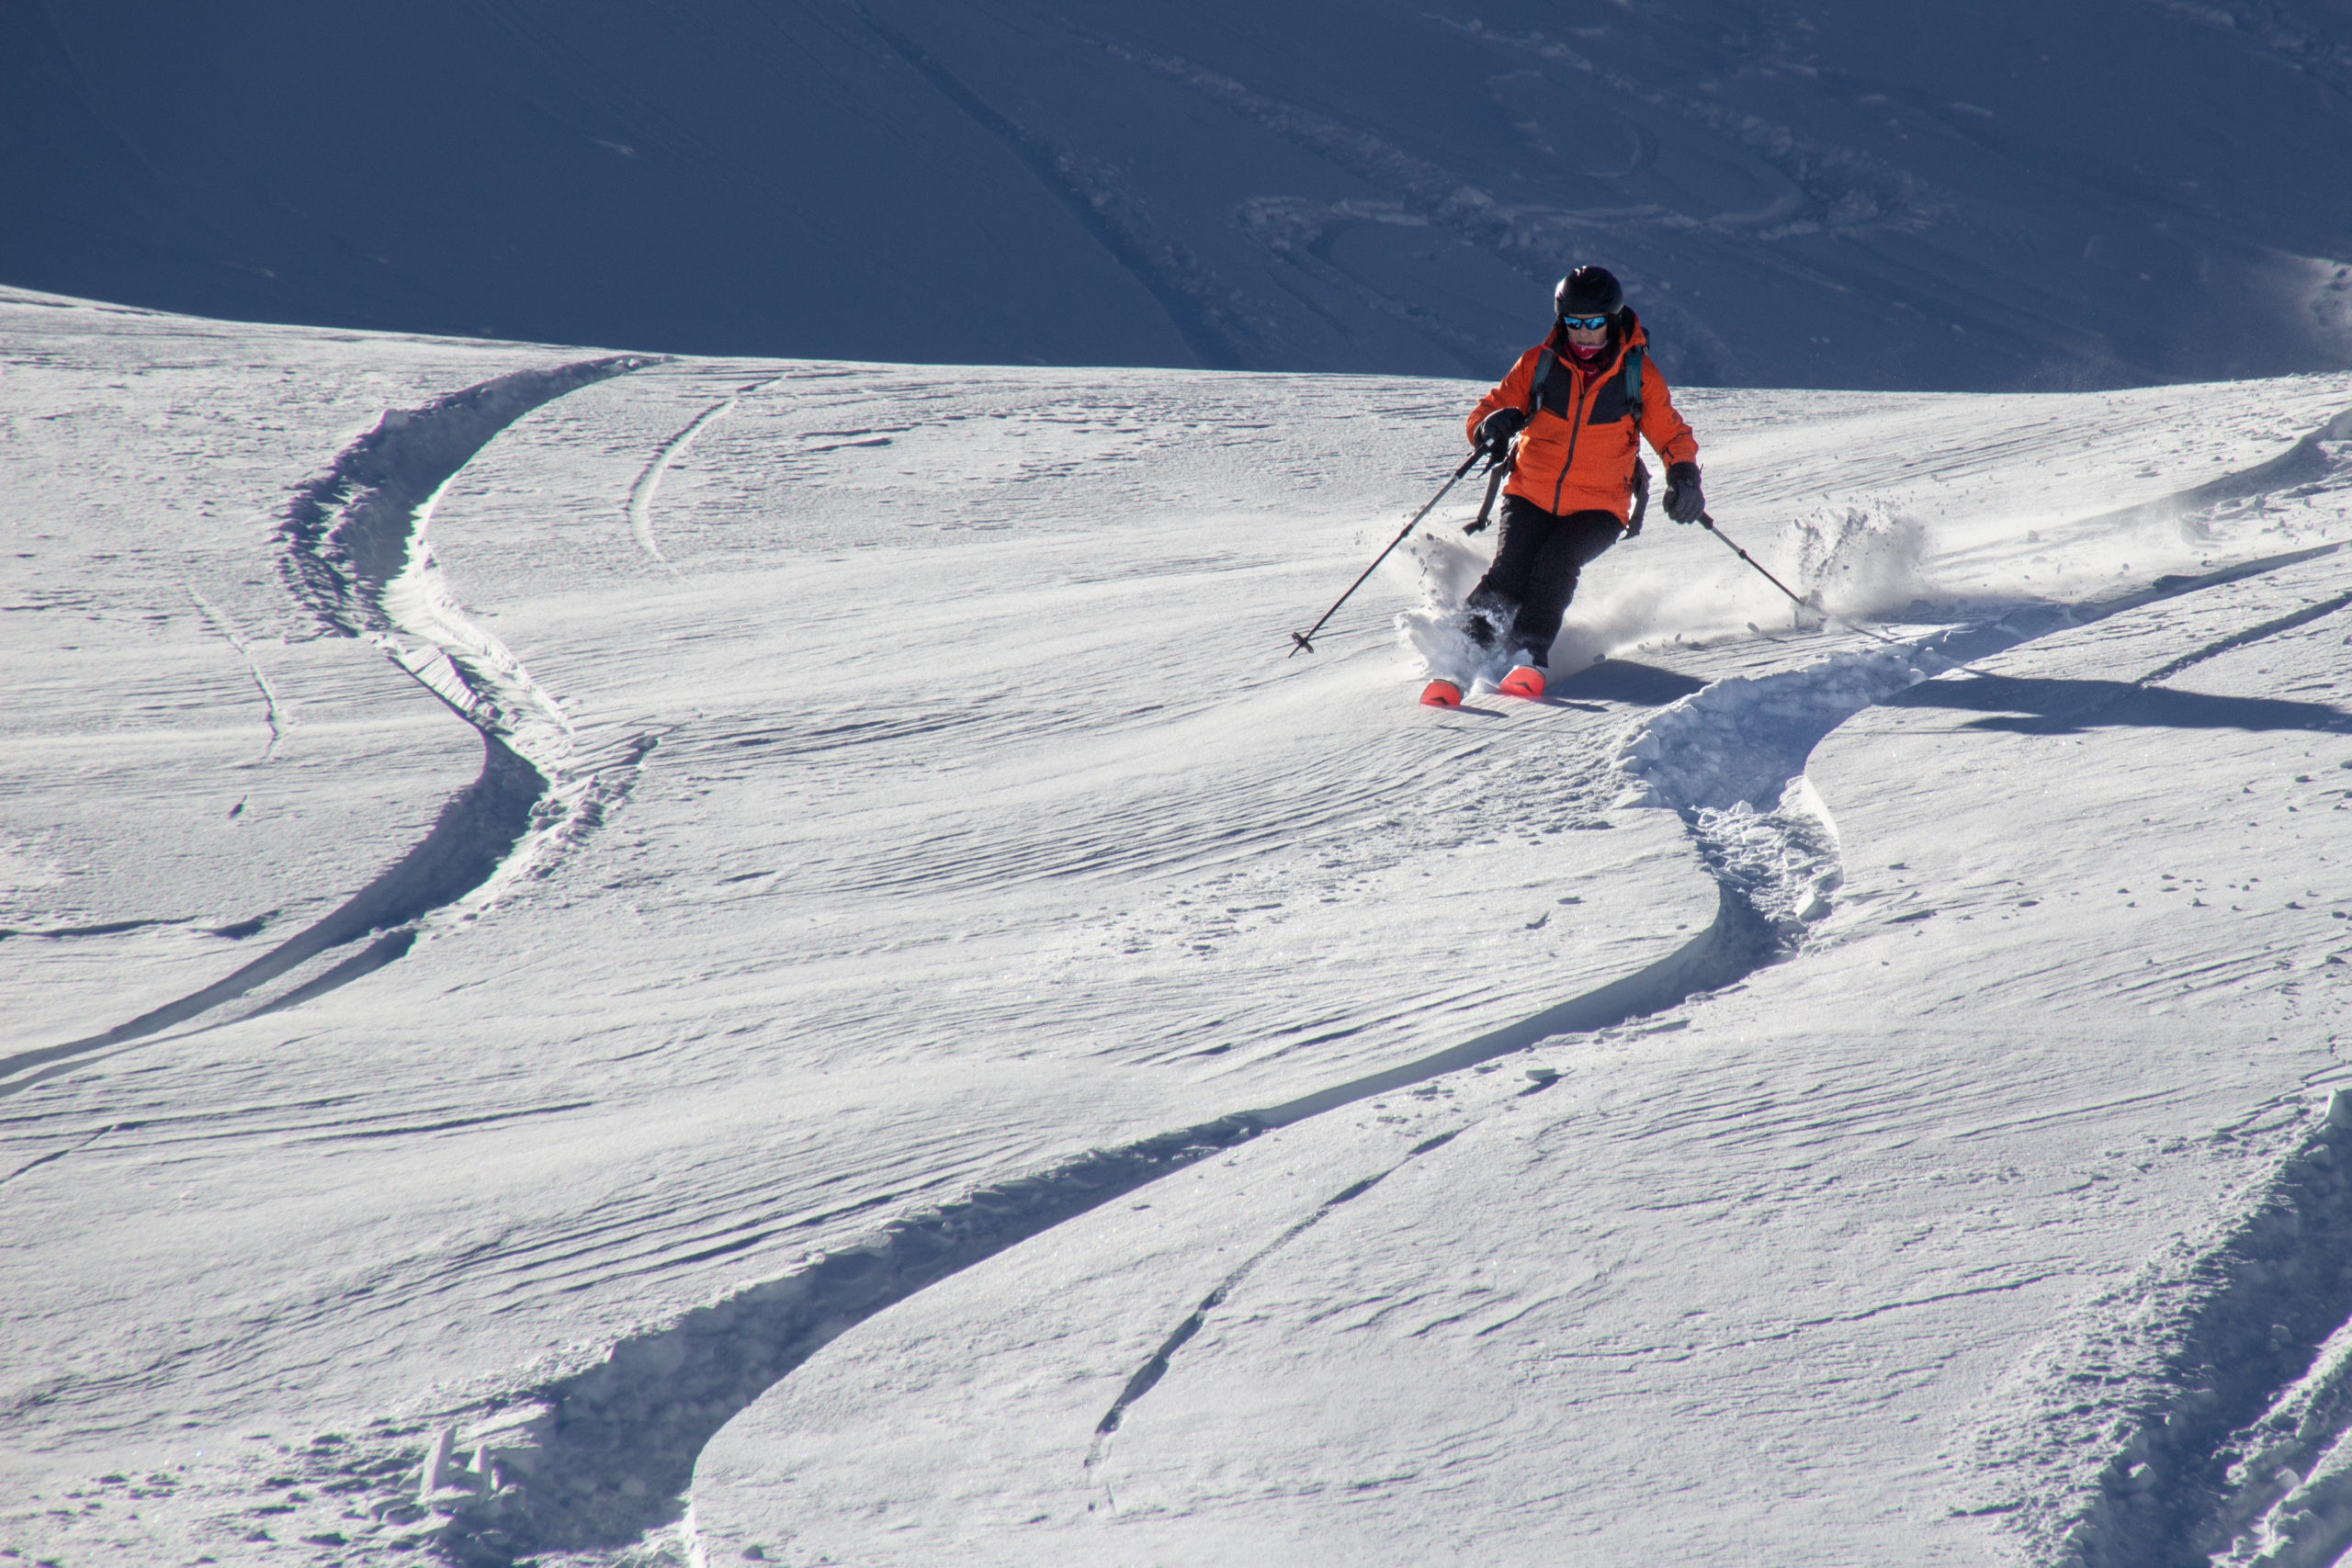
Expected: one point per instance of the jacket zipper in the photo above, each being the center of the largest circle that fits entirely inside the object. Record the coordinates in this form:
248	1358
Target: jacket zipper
1575	430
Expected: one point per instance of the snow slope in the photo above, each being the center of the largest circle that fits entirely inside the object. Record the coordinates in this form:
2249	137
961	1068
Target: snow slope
1723	1286
534	916
1830	193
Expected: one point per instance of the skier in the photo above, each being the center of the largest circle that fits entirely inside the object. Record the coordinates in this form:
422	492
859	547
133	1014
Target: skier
1569	411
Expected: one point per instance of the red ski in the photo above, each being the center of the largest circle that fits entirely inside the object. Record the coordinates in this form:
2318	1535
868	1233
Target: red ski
1442	694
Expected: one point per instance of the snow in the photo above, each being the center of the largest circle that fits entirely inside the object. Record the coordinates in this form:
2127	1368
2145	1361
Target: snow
1763	1255
587	935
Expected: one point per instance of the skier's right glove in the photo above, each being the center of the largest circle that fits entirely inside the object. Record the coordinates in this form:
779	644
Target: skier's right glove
1684	499
1496	430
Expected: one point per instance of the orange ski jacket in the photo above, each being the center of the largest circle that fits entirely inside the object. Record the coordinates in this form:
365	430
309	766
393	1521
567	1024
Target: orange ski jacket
1578	451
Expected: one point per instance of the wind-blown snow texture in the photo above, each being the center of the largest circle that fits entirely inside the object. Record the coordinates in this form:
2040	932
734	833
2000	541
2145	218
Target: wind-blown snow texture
930	1039
1833	193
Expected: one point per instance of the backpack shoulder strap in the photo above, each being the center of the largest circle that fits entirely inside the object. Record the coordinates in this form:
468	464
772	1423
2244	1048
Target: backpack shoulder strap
1543	363
1641	469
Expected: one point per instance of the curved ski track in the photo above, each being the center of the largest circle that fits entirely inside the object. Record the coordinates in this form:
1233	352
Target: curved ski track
596	1461
353	553
640	495
271	713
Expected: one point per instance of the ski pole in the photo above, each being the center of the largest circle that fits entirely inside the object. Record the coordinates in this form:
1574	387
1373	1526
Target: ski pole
1709	523
1302	640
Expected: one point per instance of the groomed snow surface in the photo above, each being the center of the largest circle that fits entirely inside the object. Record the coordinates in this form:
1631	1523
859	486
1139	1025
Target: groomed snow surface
609	959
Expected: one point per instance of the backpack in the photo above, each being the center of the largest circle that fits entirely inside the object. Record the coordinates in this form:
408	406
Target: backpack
1630	390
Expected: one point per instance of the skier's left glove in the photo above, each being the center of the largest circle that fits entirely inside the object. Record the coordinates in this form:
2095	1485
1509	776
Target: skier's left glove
1684	500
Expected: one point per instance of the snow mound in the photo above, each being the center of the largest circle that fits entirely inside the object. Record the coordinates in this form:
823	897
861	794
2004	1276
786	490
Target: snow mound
1741	740
1782	862
1730	758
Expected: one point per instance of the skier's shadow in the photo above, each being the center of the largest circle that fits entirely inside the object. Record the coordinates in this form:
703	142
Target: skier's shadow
2025	706
1625	681
1549	700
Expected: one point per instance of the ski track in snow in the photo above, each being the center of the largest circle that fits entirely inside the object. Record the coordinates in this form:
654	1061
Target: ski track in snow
1679	759
1148	1376
355	555
74	1148
2200	1412
640	495
271	713
595	1462
2286	623
598	1460
591	1461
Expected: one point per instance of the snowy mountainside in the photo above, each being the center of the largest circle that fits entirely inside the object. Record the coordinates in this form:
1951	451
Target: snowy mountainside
586	935
1833	193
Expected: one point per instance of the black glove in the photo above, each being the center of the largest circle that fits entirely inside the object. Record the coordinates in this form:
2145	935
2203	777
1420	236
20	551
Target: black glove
1684	500
1496	430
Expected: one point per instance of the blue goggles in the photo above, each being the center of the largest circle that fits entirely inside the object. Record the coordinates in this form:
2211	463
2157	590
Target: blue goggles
1584	323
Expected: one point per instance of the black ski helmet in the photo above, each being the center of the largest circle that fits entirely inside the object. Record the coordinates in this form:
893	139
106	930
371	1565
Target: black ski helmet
1589	291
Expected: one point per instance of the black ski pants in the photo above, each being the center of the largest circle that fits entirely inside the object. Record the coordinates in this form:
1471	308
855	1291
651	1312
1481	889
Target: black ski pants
1537	556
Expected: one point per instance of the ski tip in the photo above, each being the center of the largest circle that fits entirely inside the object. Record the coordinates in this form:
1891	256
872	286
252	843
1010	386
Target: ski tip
1524	682
1442	694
